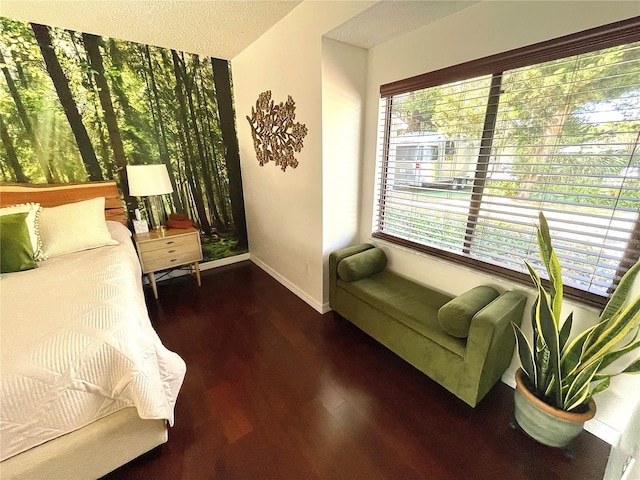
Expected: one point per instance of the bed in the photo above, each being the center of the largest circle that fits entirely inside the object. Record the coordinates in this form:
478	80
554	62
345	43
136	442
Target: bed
86	383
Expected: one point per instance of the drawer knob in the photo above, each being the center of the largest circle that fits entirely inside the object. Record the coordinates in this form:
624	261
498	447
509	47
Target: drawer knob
173	259
170	242
171	251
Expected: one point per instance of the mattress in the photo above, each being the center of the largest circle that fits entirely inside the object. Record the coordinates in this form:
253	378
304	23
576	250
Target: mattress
77	345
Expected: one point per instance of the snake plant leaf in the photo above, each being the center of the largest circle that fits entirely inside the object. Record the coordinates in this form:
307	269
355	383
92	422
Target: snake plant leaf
534	276
611	357
552	265
544	356
598	331
619	296
541	355
525	353
578	399
547	328
543	371
565	331
618	327
633	368
551	387
572	354
602	386
555	274
578	392
536	340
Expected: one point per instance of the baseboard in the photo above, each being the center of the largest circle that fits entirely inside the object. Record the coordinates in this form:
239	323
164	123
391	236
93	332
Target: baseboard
318	307
595	426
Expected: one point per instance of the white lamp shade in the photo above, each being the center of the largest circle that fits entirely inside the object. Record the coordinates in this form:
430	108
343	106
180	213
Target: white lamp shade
147	180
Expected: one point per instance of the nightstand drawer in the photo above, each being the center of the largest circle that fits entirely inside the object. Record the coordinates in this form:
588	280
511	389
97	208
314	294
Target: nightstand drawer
164	244
169	260
170	251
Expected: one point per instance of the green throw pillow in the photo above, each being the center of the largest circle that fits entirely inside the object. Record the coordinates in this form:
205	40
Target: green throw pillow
455	316
362	265
16	250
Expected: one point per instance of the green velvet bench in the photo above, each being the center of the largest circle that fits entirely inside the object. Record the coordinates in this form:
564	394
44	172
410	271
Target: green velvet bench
463	343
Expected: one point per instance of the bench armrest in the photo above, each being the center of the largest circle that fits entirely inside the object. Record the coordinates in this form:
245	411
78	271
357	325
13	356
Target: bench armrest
490	345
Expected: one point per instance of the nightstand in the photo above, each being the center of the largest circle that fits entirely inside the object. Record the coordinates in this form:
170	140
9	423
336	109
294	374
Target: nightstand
161	250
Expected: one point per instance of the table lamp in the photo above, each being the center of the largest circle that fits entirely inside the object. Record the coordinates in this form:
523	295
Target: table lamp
150	181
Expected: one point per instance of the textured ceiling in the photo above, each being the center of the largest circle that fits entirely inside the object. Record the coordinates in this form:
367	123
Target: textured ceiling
389	19
218	28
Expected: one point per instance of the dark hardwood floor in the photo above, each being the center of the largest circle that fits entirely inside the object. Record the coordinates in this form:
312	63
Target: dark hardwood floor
275	390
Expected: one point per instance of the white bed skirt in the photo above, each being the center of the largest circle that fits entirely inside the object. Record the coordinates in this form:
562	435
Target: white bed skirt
91	452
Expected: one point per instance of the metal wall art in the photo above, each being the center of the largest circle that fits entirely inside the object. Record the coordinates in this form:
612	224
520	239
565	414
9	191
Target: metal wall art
275	134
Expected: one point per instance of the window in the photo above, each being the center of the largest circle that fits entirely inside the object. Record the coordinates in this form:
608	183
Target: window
470	154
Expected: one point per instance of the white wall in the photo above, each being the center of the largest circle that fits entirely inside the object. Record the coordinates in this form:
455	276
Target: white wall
624	459
284	209
343	98
481	30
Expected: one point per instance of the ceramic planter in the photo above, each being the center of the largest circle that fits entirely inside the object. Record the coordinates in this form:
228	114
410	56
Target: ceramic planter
544	423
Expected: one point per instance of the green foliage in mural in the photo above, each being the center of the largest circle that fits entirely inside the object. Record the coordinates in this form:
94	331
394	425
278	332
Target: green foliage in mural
77	107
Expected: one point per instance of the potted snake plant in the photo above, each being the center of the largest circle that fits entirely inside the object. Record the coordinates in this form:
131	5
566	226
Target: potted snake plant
559	375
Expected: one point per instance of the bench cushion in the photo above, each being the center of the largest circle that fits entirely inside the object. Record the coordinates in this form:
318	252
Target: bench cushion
455	316
409	303
362	265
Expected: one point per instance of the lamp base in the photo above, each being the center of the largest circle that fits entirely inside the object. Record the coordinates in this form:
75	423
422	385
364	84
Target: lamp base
157	214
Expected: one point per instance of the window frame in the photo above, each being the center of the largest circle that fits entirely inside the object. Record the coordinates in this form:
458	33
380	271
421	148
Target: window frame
606	36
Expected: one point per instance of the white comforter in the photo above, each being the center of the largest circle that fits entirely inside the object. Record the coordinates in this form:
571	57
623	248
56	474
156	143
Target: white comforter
77	344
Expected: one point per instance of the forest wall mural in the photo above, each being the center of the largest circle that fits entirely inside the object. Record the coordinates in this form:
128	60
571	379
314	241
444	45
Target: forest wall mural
78	107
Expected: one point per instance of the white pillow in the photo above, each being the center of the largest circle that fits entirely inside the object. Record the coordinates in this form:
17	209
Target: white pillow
73	227
33	213
118	231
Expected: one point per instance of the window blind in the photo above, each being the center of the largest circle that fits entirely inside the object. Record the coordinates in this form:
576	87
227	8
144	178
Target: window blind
465	167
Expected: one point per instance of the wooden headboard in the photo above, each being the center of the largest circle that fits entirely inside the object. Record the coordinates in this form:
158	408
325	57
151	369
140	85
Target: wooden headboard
52	195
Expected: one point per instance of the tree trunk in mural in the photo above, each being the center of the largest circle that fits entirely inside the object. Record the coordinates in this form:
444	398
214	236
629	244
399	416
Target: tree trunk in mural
221	192
24	118
219	175
227	126
4	173
191	89
12	158
22	113
21	75
49	146
156	111
95	60
61	85
220	186
140	153
178	66
104	147
96	120
173	141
